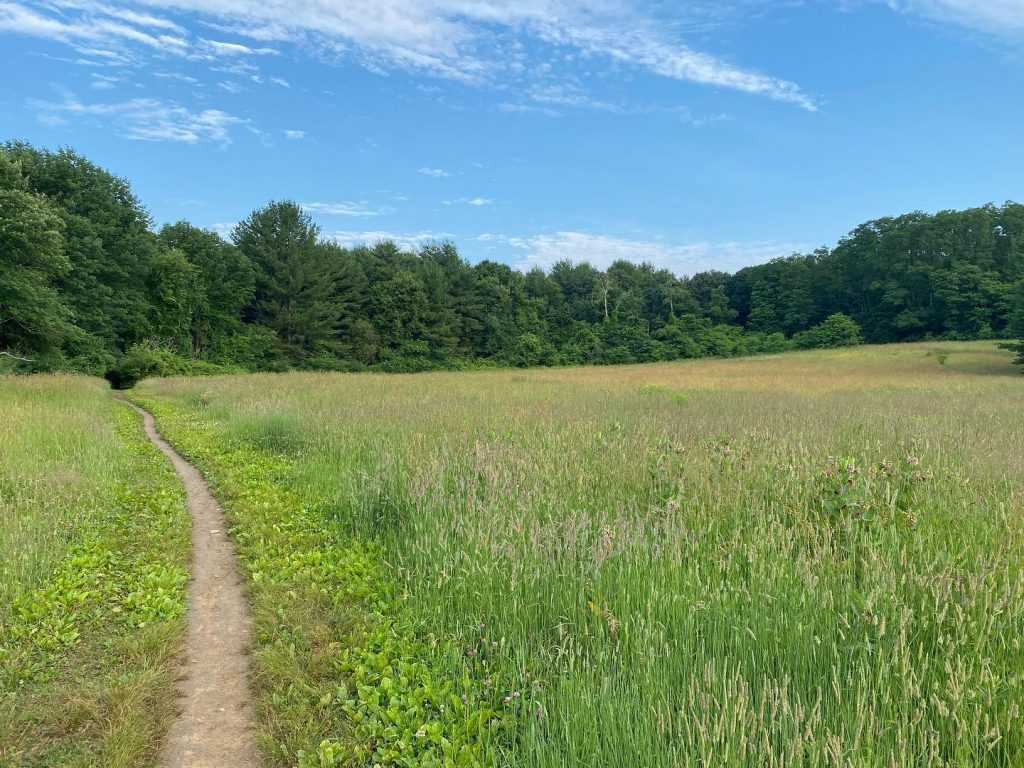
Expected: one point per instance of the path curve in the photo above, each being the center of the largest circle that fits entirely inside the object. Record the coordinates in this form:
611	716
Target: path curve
214	727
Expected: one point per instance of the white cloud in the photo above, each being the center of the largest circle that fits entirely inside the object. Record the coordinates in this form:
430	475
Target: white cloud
345	208
235	49
224	228
679	62
544	250
229	86
112	58
280	81
176	76
476	202
104	82
528	109
87	28
999	16
123	14
476	41
405	241
436	173
569	95
149	119
294	135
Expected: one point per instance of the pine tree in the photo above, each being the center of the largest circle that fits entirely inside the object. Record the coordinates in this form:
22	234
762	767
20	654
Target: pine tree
294	280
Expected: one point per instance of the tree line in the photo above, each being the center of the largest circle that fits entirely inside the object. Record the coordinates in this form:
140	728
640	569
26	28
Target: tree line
86	284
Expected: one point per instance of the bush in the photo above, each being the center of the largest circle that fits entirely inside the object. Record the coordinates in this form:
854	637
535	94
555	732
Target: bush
411	357
149	359
530	350
836	330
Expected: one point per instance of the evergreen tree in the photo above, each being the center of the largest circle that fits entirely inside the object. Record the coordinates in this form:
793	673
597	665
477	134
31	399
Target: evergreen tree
294	279
83	279
1017	320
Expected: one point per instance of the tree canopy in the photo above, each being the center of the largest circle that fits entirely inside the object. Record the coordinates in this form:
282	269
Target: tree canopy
85	281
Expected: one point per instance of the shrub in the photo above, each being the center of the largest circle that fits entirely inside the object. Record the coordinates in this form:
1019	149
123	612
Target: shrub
150	359
836	330
530	350
413	357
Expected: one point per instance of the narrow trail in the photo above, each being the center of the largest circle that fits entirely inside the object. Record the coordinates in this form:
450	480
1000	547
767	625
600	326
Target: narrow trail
214	727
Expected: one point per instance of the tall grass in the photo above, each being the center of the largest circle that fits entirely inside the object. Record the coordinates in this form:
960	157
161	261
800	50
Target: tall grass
93	551
813	559
58	455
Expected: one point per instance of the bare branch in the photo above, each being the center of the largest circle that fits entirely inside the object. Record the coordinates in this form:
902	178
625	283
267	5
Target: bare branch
15	357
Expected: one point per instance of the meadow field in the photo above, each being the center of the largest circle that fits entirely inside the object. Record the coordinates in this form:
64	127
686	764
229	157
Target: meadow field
93	551
812	559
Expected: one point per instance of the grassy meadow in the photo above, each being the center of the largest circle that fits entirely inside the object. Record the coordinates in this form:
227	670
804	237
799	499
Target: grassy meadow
93	552
812	559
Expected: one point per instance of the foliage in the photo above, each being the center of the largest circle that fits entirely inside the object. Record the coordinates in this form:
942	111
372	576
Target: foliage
87	280
33	316
148	359
293	281
223	286
106	241
836	330
1017	321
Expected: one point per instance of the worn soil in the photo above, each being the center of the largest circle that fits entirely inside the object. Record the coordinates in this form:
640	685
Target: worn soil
214	727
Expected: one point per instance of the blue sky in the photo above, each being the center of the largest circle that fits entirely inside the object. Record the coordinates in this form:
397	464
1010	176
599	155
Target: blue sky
693	135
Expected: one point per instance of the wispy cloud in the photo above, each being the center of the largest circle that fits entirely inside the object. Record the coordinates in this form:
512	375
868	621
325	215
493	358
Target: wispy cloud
294	135
111	58
177	76
405	240
124	14
478	41
346	208
102	82
97	27
476	202
528	109
235	49
569	95
148	119
436	173
545	250
998	16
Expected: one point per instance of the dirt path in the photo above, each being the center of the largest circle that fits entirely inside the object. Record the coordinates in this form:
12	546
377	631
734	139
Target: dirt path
214	726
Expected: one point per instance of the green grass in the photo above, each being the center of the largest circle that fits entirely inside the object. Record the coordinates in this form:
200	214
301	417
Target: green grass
811	559
93	547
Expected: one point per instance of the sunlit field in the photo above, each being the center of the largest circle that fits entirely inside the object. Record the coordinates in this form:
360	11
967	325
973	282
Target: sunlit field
93	545
57	456
812	559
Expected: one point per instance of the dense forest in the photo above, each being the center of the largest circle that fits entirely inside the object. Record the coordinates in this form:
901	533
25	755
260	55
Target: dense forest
86	284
